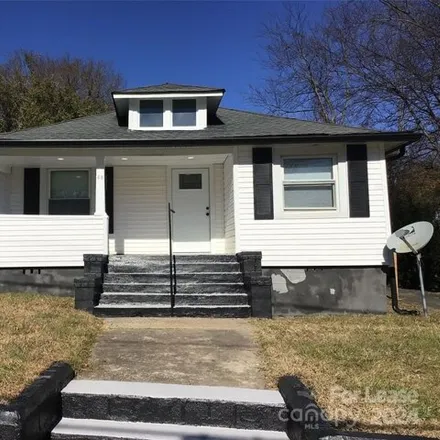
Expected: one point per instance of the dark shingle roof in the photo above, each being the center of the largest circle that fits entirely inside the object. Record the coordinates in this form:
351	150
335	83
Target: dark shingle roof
172	88
229	124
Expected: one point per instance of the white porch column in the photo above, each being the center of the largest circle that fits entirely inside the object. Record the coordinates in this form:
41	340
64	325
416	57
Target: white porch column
100	186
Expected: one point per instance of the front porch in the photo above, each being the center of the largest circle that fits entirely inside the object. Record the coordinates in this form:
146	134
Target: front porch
56	208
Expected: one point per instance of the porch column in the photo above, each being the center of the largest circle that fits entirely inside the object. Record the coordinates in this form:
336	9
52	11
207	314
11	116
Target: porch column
100	186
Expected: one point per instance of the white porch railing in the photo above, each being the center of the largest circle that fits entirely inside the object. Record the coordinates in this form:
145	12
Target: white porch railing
36	241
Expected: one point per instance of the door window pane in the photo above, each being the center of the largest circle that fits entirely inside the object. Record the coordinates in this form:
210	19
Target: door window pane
190	181
308	169
184	112
69	184
151	113
310	196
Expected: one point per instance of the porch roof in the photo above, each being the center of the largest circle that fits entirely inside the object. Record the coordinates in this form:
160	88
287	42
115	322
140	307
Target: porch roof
226	127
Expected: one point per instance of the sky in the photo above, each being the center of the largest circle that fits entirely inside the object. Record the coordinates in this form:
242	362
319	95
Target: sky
203	43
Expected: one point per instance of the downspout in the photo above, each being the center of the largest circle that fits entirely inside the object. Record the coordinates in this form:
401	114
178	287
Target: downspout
392	273
399	155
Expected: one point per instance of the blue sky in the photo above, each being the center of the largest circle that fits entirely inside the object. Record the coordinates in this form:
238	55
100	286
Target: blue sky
208	43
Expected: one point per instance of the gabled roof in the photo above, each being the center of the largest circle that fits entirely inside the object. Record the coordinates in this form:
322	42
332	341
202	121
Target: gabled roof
171	88
232	126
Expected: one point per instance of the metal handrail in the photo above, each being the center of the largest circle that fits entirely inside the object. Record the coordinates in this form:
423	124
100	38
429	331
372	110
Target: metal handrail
173	273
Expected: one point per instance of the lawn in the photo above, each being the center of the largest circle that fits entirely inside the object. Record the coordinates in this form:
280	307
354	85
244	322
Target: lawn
36	330
383	372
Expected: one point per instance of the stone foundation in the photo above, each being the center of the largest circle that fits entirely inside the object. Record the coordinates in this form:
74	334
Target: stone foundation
57	282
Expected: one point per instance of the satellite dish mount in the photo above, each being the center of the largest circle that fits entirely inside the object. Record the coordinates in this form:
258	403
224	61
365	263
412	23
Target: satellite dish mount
412	238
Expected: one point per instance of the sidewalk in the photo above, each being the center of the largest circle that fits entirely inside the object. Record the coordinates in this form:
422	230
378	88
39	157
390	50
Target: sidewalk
193	351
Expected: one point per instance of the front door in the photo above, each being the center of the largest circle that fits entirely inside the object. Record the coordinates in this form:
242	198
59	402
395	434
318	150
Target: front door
190	201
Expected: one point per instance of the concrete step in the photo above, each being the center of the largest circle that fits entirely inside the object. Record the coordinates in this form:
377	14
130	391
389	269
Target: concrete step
145	402
181	298
205	277
163	267
89	429
180	258
164	310
164	287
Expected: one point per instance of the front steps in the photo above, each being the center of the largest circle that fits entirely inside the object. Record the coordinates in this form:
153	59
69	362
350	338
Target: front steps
99	410
207	286
74	429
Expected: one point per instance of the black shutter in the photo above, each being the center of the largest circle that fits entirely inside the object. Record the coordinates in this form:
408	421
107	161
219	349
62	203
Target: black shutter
109	205
31	197
358	180
263	187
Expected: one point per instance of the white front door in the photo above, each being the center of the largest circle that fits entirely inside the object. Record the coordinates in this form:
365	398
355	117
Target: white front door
190	201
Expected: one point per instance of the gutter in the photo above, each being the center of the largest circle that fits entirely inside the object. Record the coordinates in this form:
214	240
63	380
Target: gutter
406	138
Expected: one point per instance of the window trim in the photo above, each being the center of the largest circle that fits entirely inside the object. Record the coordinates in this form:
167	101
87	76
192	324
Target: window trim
134	115
329	182
48	182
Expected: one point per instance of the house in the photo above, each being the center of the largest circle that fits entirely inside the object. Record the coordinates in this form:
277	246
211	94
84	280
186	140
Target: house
311	197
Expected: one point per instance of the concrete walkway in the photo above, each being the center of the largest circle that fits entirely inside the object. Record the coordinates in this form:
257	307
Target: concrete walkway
193	351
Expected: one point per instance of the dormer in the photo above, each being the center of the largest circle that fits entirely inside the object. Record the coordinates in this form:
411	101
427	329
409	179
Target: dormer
167	107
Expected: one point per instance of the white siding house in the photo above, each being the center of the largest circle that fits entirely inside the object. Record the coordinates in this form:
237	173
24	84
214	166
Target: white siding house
308	196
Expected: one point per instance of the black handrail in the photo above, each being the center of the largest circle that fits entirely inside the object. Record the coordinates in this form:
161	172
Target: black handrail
173	274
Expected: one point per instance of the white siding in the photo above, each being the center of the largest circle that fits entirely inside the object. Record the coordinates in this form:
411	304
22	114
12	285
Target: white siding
229	205
140	201
140	217
321	239
217	211
50	241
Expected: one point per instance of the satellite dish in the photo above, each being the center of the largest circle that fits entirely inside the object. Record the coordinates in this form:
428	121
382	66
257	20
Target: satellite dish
412	238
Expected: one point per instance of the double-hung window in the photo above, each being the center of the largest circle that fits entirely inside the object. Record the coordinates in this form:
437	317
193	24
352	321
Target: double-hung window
309	183
69	192
151	113
184	113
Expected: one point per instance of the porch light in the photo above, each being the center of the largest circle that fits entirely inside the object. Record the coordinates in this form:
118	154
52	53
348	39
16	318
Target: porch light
190	157
124	158
60	158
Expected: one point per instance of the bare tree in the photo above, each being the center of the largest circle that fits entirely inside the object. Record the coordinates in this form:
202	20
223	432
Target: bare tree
302	75
37	90
374	63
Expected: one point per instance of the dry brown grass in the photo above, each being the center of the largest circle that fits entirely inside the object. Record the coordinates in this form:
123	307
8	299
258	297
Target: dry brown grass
366	354
36	330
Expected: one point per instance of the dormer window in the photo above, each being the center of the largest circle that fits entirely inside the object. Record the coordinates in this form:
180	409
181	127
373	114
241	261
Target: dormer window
151	113
184	113
167	107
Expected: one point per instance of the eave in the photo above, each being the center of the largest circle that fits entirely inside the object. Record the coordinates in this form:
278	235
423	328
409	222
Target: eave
401	139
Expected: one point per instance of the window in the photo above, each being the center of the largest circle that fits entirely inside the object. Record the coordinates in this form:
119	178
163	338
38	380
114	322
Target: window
309	183
69	192
184	112
190	181
151	113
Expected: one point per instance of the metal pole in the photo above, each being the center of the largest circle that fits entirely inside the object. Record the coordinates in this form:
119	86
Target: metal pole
171	257
396	274
422	286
